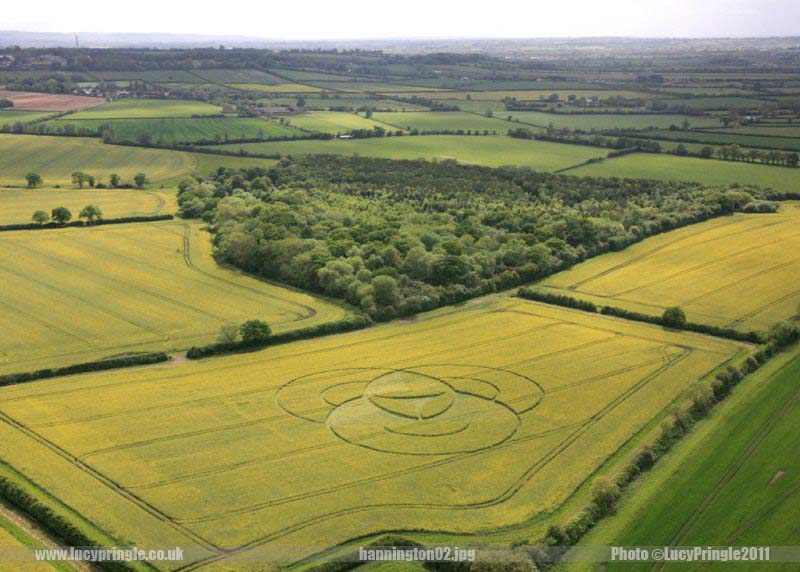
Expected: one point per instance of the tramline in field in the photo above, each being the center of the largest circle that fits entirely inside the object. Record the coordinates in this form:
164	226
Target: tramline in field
480	416
739	272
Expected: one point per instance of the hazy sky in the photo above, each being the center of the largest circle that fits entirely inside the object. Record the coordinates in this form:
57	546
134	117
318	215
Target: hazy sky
338	19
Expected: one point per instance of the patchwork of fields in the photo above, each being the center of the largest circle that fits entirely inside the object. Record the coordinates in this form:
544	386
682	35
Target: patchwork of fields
17	205
740	271
75	295
492	151
486	420
463	419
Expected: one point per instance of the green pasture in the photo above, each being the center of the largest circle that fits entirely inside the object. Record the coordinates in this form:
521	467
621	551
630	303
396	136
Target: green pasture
492	151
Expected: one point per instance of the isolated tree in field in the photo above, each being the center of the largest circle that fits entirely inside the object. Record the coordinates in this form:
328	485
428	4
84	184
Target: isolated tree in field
113	181
40	217
255	332
681	150
91	213
61	215
80	178
228	334
707	152
674	316
34	180
140	180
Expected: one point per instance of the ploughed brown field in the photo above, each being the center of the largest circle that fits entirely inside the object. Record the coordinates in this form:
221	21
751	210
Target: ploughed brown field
29	101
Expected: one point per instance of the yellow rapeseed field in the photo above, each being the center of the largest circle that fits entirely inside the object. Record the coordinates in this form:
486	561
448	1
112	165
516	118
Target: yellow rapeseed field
462	419
78	294
17	205
741	271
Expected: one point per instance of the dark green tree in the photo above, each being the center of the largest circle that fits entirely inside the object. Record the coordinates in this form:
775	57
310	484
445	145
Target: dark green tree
674	317
61	215
255	332
34	180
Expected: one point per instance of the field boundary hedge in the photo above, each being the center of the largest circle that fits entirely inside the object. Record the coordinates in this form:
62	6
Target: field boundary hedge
586	306
559	540
348	324
99	365
54	521
689	139
79	223
350	560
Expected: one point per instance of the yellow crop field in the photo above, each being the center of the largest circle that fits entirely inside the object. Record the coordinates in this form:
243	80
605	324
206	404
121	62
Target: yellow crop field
459	420
17	205
77	294
741	272
56	158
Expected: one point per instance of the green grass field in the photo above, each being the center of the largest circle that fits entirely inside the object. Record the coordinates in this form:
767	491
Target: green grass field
185	129
207	162
332	122
17	205
153	76
707	103
600	121
349	102
223	76
374	87
464	419
732	482
277	88
142	108
56	158
444	121
740	271
74	295
706	171
523	94
731	136
770	131
300	75
12	117
491	151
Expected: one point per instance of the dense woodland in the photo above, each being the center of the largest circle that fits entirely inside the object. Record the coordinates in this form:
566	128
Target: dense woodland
398	237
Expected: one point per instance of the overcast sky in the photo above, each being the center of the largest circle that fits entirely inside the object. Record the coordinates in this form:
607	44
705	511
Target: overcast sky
351	19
